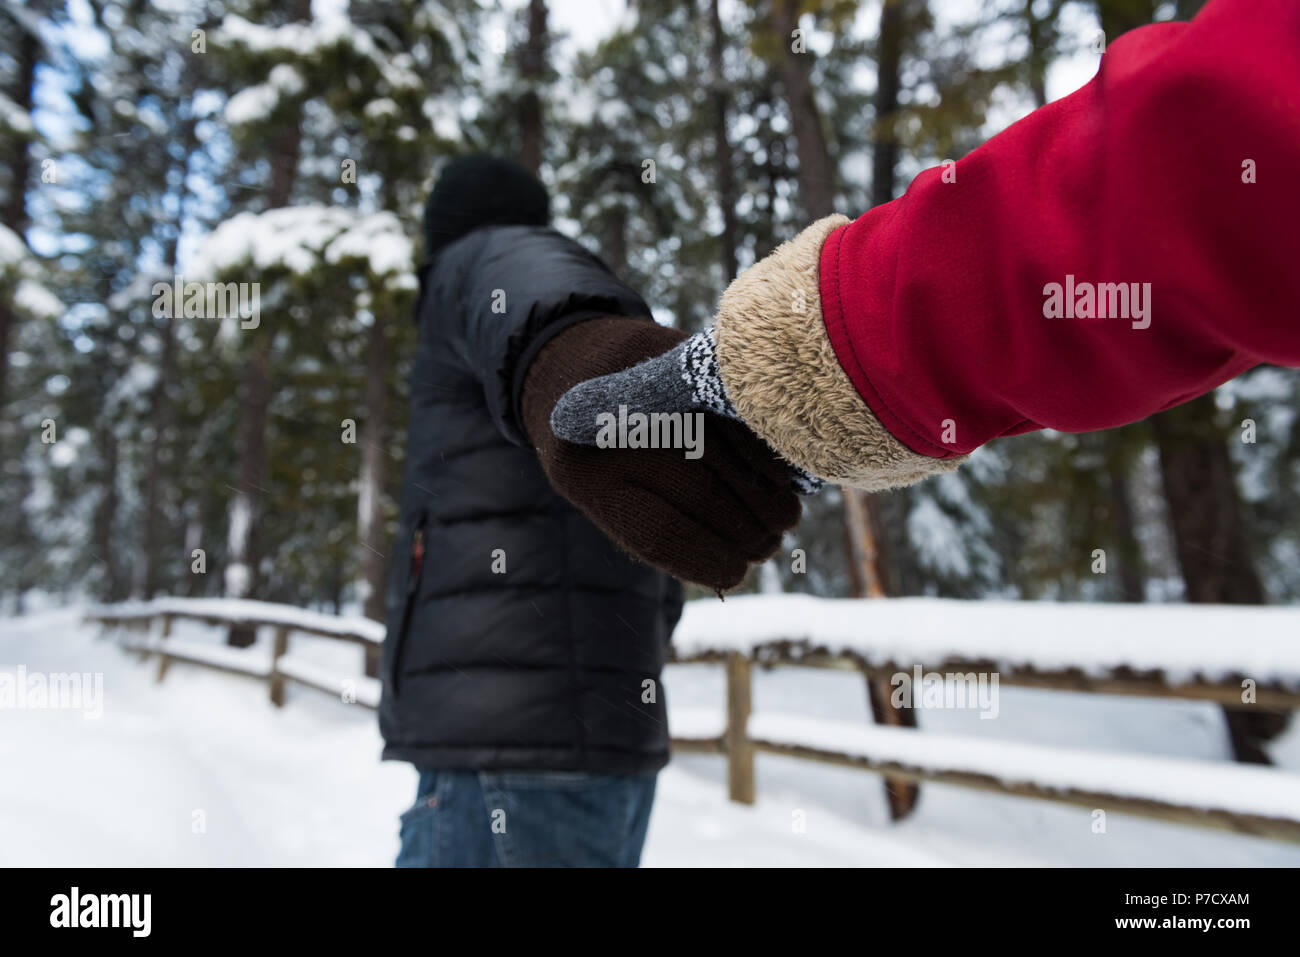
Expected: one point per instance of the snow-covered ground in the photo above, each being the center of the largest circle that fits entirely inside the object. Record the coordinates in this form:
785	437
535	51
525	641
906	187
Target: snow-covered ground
202	770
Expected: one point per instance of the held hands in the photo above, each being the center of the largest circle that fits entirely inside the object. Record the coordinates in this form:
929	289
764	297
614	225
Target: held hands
683	380
768	368
704	518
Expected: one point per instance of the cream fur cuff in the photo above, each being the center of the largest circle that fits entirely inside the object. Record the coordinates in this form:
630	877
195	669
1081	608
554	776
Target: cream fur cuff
782	375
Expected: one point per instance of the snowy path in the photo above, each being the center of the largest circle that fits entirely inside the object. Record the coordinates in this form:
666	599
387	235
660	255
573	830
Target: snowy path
304	786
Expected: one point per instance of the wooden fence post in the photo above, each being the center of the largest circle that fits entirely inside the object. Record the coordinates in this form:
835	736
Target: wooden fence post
163	660
137	625
278	647
740	752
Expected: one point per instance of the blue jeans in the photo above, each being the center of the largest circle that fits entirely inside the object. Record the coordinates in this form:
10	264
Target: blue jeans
526	819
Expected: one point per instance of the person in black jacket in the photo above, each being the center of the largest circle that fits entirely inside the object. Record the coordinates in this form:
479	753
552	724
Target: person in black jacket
531	600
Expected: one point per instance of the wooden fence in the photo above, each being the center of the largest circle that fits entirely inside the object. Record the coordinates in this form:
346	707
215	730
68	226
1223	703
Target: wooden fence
744	737
277	670
1242	799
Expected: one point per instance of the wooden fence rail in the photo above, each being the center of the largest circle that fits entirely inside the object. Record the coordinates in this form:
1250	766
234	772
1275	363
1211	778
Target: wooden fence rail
1246	799
277	670
744	738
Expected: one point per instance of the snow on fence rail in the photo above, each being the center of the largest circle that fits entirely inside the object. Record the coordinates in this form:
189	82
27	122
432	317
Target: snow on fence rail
1245	799
277	669
1190	651
1202	652
240	611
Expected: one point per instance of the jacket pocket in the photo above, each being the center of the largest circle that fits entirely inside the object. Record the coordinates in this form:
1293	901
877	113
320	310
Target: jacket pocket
416	548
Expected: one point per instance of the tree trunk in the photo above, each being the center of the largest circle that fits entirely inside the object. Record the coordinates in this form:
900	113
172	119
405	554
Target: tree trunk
774	174
1204	507
1210	539
241	579
106	517
18	158
286	145
162	409
865	558
194	583
884	143
370	515
722	146
1037	55
532	67
1120	16
161	416
816	174
1132	579
245	508
614	248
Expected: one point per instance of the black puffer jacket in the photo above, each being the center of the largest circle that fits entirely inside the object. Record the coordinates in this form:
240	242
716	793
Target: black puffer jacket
522	638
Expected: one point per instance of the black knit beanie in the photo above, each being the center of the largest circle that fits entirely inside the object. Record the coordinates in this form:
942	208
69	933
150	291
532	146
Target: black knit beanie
481	190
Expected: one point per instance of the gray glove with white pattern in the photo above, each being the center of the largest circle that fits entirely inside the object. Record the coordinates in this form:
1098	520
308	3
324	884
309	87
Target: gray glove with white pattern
684	379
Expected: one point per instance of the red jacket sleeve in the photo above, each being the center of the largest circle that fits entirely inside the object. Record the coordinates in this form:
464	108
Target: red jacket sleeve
968	308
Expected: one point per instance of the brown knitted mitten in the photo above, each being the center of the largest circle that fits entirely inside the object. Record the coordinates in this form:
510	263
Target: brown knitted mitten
699	519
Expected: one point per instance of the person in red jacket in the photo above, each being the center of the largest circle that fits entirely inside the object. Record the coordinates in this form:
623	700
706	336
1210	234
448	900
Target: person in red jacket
1115	253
